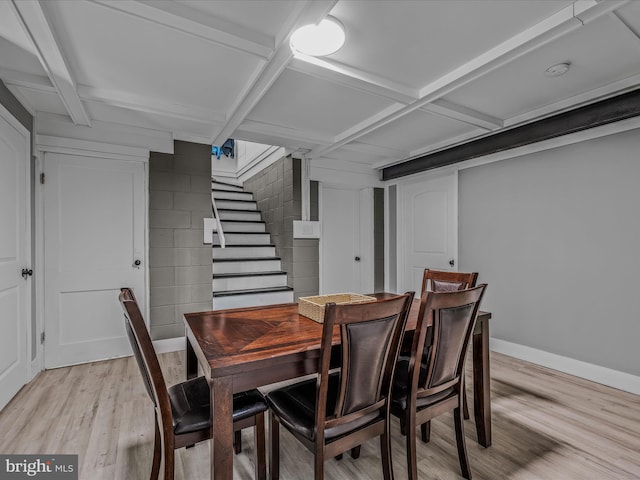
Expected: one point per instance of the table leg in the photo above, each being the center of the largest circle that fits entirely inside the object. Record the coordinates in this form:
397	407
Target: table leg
191	361
481	383
222	424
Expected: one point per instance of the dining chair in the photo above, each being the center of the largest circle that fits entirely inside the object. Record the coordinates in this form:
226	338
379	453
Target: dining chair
432	383
446	281
337	411
182	412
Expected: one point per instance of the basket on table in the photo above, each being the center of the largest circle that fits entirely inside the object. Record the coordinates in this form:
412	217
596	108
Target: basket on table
313	307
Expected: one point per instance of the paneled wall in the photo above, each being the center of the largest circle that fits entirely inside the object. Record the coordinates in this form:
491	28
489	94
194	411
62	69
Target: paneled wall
180	266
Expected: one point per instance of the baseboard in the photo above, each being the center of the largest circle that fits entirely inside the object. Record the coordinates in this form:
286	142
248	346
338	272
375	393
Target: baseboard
588	371
169	345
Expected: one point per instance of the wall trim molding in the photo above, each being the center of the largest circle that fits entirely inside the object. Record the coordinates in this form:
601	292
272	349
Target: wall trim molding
588	371
72	146
13	121
167	345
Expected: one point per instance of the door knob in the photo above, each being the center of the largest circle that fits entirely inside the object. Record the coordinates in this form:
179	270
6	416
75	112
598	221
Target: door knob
137	263
452	262
357	259
26	272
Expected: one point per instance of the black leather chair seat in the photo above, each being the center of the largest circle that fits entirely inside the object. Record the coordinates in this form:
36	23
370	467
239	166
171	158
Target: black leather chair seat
401	385
295	407
190	405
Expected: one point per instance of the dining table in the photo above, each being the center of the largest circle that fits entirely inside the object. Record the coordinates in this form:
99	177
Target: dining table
244	348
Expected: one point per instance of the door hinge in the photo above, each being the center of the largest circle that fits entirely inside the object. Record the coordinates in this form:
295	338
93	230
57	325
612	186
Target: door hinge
42	178
42	337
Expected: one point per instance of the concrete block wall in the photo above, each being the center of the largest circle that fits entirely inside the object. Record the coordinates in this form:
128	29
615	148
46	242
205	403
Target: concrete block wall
180	266
276	189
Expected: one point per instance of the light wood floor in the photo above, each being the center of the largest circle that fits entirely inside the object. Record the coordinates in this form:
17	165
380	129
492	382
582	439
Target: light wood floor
546	425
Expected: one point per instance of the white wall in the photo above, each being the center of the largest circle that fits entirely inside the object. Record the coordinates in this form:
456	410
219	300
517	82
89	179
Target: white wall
556	235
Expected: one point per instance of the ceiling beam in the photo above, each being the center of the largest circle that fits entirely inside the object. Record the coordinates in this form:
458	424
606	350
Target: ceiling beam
597	114
555	26
463	114
276	131
195	23
48	51
306	13
341	74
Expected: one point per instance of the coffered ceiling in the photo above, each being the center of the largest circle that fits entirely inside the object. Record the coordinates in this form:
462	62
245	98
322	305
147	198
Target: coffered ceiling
414	77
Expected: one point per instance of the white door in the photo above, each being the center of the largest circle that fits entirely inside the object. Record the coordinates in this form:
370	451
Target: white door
429	228
15	244
94	227
347	240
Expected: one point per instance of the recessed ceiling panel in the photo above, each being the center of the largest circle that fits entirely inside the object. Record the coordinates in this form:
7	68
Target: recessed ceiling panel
265	17
311	104
277	139
12	31
599	53
416	131
115	51
16	58
416	42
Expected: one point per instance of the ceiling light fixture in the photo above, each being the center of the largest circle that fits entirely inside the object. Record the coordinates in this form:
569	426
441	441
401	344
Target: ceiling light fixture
557	70
319	40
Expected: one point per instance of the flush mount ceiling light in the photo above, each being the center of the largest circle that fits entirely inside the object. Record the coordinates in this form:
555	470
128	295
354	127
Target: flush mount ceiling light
557	70
319	40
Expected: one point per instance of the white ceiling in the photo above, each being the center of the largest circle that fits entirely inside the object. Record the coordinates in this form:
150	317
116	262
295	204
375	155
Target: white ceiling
414	76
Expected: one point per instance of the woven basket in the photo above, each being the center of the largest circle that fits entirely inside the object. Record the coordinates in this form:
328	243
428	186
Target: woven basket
313	307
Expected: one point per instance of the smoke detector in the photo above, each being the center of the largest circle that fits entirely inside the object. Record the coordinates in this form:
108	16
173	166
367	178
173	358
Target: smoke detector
557	69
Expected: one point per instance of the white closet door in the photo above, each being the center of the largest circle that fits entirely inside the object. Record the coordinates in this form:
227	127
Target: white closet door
93	236
15	310
429	228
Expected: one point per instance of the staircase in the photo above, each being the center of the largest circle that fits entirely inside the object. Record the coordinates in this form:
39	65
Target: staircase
247	272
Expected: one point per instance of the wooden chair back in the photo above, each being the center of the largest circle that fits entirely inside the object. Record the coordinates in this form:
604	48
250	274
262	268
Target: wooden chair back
370	336
445	281
445	325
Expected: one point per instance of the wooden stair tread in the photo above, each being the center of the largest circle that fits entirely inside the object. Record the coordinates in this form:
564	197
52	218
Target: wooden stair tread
252	291
246	259
248	274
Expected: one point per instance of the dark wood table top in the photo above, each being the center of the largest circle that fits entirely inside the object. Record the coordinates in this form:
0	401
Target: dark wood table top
236	340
